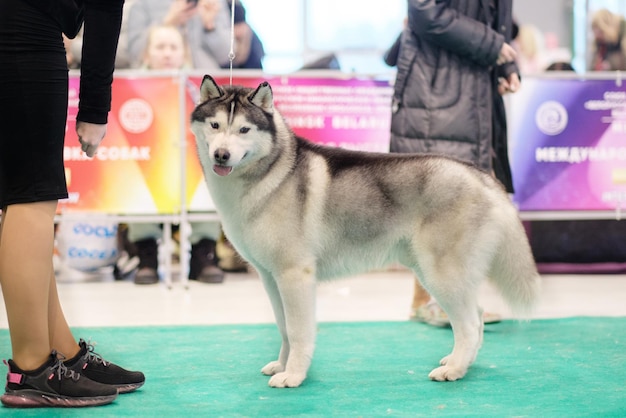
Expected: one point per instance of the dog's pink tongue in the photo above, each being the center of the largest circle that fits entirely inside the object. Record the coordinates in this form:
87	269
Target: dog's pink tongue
221	170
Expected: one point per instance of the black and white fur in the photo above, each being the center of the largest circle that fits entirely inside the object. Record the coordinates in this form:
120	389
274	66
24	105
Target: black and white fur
300	212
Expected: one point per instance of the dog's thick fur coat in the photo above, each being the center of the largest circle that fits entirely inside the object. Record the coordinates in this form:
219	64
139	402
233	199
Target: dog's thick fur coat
300	212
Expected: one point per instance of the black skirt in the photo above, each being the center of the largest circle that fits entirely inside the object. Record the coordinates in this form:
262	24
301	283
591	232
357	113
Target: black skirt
33	105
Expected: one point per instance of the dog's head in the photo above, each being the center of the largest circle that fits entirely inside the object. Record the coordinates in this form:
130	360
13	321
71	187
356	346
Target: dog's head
233	125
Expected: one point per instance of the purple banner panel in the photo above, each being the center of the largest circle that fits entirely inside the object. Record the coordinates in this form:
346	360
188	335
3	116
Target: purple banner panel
568	144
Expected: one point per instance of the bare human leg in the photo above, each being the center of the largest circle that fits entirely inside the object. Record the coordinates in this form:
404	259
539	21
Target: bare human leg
36	321
420	295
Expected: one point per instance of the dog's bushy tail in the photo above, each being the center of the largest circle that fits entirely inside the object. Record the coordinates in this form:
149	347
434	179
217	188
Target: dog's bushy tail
514	271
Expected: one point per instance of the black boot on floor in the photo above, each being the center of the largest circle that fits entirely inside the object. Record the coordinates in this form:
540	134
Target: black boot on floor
203	264
147	250
128	260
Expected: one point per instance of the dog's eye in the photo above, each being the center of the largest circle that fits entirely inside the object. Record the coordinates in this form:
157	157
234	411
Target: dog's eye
244	130
215	125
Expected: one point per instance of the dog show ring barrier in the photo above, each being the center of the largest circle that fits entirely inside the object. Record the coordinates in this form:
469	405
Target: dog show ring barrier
567	144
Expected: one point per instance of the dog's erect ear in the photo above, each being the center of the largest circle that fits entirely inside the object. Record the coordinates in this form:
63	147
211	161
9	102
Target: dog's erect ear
209	89
263	97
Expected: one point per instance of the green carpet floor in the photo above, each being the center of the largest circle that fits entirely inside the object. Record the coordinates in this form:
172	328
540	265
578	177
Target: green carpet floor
546	368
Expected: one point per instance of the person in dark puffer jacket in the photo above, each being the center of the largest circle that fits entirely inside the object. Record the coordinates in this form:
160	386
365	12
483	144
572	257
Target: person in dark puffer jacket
454	63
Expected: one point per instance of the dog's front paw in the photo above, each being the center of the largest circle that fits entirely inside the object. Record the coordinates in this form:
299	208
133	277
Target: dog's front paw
447	373
286	380
272	368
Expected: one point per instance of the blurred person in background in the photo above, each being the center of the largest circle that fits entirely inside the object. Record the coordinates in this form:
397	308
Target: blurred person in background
609	47
182	35
167	49
205	25
530	46
248	48
74	47
454	62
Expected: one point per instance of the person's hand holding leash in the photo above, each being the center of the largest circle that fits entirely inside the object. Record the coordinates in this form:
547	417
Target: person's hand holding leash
90	135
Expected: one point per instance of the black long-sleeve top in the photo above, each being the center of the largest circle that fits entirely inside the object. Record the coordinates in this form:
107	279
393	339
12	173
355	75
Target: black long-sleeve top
102	20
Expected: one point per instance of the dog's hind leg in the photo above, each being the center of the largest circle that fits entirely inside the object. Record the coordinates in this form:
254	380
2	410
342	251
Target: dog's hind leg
457	295
271	289
467	327
297	290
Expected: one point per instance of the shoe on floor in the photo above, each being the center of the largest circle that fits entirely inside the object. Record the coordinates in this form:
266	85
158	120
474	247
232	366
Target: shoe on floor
53	385
125	266
432	314
228	258
90	364
146	275
491	318
211	274
148	253
203	264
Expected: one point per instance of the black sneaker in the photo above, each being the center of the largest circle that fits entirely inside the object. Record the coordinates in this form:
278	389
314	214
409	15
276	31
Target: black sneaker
93	366
53	384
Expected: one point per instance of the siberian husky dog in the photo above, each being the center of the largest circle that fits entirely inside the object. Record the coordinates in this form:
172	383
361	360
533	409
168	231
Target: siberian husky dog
302	213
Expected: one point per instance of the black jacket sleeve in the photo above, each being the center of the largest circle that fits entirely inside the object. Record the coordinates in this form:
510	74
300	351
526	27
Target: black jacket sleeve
103	20
391	55
443	26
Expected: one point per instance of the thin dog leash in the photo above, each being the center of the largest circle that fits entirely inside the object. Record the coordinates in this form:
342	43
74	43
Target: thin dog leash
231	54
231	57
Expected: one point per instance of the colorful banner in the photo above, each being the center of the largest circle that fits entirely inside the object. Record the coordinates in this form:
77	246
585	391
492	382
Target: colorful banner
568	144
567	140
137	167
348	113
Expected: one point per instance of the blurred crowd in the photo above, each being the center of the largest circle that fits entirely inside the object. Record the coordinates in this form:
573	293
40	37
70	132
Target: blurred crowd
197	34
170	34
538	51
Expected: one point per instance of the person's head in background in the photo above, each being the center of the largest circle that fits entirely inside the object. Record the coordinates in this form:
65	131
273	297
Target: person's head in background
606	27
560	66
166	49
609	32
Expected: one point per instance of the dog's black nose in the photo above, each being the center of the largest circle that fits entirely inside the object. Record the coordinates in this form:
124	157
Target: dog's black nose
221	155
